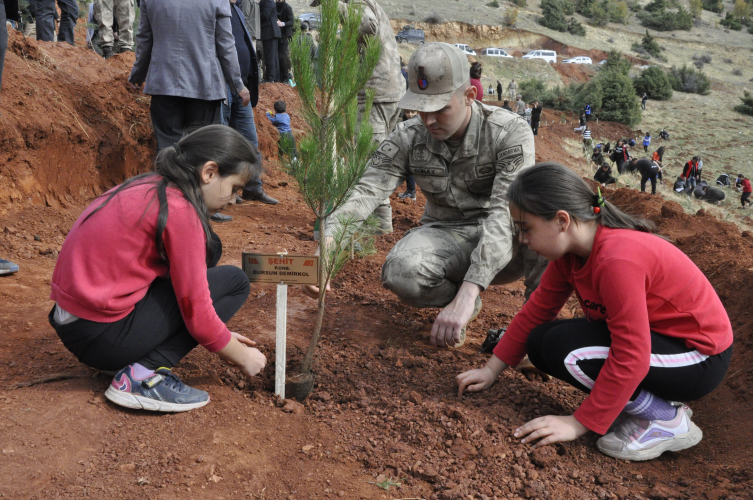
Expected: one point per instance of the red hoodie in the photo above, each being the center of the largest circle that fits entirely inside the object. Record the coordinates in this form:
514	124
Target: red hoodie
637	283
107	264
746	186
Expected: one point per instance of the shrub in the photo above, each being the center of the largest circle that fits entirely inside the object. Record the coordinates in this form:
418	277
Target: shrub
696	6
553	17
666	20
656	6
520	3
651	45
493	4
654	82
618	12
560	97
434	18
634	6
731	22
532	90
687	79
713	5
746	107
599	15
610	40
699	64
619	103
737	72
585	7
568	7
637	47
750	29
728	61
706	58
510	17
616	62
741	10
575	28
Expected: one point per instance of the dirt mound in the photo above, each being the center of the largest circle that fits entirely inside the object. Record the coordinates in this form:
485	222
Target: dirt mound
568	51
267	133
574	72
70	126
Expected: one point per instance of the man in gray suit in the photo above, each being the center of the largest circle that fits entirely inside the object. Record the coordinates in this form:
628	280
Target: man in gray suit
183	49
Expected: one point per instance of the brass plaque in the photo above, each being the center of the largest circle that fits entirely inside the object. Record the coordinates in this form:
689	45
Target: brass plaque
276	268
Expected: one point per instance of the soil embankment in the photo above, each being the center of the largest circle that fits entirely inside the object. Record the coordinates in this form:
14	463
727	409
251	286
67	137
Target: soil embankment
385	405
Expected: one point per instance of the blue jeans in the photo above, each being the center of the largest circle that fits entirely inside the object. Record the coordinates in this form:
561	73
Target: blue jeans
241	118
410	183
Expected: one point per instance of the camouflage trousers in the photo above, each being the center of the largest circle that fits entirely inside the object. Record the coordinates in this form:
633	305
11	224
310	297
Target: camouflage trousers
122	10
383	118
427	266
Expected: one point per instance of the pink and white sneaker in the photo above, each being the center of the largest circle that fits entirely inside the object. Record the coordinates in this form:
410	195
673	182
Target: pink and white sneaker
637	439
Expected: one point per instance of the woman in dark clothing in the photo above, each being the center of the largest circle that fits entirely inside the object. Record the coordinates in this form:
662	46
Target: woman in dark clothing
607	148
597	157
657	158
604	175
620	155
648	170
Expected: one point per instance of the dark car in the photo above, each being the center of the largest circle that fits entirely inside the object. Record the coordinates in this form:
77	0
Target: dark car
409	34
310	21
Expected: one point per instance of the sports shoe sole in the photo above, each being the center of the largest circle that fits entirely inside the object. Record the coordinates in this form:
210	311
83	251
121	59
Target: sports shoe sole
141	403
679	443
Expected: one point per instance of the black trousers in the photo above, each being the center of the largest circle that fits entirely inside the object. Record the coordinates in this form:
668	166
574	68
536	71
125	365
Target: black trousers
744	198
574	351
647	176
535	126
173	116
283	56
271	60
154	333
46	22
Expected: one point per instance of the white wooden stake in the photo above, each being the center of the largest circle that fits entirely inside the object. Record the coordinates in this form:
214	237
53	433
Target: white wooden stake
281	337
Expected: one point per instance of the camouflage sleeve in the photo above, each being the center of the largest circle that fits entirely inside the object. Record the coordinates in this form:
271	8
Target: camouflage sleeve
515	151
369	22
386	171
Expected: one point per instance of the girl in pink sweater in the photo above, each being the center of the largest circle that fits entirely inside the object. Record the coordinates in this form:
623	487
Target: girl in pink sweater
654	330
137	285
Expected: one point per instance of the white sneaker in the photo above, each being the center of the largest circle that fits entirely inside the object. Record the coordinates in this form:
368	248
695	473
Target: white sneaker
637	439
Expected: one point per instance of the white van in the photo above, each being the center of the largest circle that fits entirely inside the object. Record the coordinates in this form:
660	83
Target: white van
549	56
493	52
465	48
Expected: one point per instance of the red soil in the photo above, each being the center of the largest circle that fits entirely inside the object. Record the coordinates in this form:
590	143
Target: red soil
385	401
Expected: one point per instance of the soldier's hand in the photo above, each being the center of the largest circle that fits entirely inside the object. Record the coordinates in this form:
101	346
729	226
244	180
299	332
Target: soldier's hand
454	317
245	96
313	291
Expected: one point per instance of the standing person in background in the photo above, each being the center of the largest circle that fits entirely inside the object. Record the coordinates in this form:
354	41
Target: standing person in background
620	155
46	20
270	38
499	90
239	117
587	111
536	117
646	142
512	89
745	184
521	106
658	158
690	172
700	168
106	11
587	144
643	101
476	69
410	181
285	20
9	11
185	95
250	9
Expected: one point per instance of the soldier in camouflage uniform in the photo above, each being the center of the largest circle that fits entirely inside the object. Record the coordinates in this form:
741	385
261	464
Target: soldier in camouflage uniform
105	11
463	155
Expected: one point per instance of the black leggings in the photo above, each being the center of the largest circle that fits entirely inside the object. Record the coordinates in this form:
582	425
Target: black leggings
154	333
744	198
645	177
574	350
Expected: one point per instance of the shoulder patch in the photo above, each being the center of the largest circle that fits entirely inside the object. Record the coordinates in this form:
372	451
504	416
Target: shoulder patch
509	159
384	154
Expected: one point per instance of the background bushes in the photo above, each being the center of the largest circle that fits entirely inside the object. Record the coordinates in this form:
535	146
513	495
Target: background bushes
654	82
688	79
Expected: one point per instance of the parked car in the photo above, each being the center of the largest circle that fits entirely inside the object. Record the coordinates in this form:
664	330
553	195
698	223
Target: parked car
547	55
465	48
310	21
494	52
409	34
579	60
603	62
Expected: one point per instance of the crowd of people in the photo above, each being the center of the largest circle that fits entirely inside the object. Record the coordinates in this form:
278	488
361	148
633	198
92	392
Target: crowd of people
137	284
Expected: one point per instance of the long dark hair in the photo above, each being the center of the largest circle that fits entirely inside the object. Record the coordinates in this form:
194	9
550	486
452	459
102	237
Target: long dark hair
660	152
549	187
179	166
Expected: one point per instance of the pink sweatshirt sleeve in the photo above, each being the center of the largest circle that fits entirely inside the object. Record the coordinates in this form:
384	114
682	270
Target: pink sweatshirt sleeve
622	287
185	245
543	306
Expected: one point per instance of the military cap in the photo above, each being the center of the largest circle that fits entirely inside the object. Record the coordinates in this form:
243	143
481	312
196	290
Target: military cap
435	71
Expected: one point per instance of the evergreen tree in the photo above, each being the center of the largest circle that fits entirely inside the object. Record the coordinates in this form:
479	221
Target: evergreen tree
713	6
333	155
654	82
619	103
650	44
553	16
746	107
688	79
617	62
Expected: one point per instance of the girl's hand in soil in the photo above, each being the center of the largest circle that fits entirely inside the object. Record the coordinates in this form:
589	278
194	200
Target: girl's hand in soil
551	429
239	353
482	378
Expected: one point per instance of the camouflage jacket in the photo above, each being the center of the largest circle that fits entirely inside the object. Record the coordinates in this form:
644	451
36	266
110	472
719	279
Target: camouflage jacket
387	80
467	188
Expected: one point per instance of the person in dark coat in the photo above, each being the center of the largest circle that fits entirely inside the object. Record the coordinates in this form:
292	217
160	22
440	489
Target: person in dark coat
499	90
603	175
285	20
536	117
723	180
712	194
648	170
270	38
506	105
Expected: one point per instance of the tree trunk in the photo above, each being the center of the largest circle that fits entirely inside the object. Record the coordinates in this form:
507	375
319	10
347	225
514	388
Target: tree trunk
308	359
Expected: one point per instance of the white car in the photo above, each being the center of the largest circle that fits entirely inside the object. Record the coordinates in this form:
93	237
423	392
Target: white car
465	48
579	60
493	52
547	55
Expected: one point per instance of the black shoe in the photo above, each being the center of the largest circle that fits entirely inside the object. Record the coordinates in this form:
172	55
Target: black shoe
259	195
218	217
267	81
238	200
492	339
107	52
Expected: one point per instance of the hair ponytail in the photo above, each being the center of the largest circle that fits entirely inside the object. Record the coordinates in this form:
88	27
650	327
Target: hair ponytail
179	166
548	187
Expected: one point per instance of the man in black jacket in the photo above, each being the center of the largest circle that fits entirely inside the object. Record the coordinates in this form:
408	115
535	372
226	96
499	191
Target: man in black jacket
285	20
536	117
270	38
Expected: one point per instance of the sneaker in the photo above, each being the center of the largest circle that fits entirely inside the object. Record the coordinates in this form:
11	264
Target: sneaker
493	336
476	310
218	217
8	267
411	195
162	391
637	439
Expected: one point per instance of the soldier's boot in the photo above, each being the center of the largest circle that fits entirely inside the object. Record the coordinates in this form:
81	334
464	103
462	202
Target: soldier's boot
107	52
476	310
383	213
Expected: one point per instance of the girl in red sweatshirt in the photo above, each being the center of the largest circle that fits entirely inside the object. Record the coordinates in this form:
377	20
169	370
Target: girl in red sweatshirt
137	285
654	330
745	184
